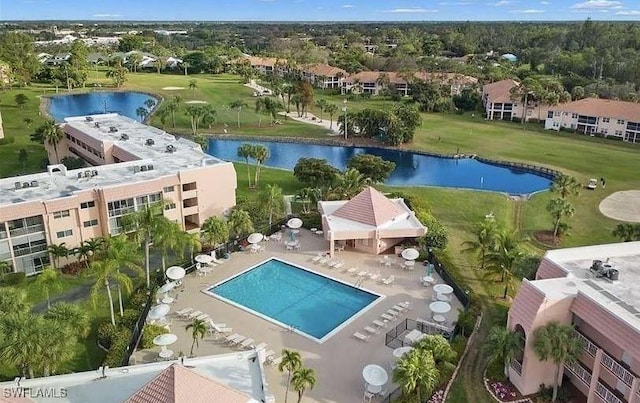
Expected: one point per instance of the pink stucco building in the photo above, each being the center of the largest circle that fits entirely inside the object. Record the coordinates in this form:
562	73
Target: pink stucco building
595	289
133	165
370	222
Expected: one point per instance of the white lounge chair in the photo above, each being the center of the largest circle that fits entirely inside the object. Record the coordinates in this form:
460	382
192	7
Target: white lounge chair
352	270
194	314
379	324
338	266
406	305
389	280
323	260
246	343
183	312
261	346
275	361
388	317
362	274
375	276
269	354
204	316
361	336
371	330
317	258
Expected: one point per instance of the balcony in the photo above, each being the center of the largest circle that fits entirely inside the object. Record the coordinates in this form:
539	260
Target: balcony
607	361
26	230
605	394
580	372
516	366
189	194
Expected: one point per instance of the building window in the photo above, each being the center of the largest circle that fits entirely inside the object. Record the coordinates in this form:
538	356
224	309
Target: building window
604	131
618	132
90	223
574	116
88	204
605	120
550	114
169	206
169	189
620	121
64	234
61	214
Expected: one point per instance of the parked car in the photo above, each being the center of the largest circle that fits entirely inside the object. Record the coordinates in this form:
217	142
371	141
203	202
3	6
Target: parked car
593	183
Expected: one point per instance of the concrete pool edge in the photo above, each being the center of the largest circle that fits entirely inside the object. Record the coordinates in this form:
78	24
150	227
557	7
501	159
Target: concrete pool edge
380	298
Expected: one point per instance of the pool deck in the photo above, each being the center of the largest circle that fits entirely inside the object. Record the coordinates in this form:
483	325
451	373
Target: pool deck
338	361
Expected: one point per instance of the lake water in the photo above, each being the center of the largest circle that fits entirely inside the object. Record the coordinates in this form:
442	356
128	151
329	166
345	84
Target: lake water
411	169
123	102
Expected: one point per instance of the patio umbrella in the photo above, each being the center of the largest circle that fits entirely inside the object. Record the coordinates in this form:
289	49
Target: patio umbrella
167	287
175	273
204	259
158	311
375	375
165	339
294	223
410	254
440	307
255	237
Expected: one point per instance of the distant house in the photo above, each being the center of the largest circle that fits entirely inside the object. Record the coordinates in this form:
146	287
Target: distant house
265	65
500	103
43	57
58	59
323	75
373	82
593	116
510	57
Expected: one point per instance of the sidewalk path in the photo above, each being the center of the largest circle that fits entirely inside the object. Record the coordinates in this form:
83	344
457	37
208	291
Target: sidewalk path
314	120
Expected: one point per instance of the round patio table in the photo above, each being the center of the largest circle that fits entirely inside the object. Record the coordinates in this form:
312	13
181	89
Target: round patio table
375	375
375	389
443	288
399	352
439	307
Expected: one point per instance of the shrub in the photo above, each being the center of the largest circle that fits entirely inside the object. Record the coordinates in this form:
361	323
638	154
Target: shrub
119	344
105	334
7	140
73	268
148	334
311	220
458	344
12	279
128	319
137	299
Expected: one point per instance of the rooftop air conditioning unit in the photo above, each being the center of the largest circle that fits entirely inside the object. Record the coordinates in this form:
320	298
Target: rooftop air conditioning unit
34	184
149	142
170	148
150	167
89	119
94	172
124	136
18	185
80	175
96	125
87	174
136	169
143	168
113	129
26	185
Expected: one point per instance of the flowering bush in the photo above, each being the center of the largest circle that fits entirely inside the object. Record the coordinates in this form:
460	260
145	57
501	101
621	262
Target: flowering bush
437	397
504	391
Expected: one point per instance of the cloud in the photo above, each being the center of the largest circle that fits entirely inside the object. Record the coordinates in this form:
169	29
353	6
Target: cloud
455	3
545	3
409	10
597	5
106	15
501	3
628	12
348	6
527	11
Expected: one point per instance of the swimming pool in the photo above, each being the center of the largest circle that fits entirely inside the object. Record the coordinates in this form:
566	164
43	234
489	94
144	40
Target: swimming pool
311	304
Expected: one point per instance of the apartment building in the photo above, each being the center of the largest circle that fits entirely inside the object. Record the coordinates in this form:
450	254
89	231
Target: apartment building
133	165
265	65
323	75
500	104
374	82
593	116
595	289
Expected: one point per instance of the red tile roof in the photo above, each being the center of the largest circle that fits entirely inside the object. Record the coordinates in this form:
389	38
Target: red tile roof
369	207
500	91
262	61
603	108
399	78
177	384
323	70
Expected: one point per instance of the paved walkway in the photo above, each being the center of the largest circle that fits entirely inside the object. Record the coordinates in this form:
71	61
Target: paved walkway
622	206
312	119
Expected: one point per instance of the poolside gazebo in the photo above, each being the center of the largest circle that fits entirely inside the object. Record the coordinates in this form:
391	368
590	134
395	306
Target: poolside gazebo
370	222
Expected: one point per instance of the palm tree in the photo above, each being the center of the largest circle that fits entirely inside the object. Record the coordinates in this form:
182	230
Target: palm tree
59	340
23	157
260	106
215	231
246	151
20	346
416	372
172	107
52	135
260	154
74	315
322	105
127	254
565	186
144	223
486	233
198	331
304	197
273	201
48	281
106	271
195	113
193	84
150	103
331	109
349	184
303	379
168	238
13	300
58	251
162	114
238	104
504	346
93	246
240	222
208	118
627	232
559	208
202	141
504	259
444	356
465	319
291	362
556	342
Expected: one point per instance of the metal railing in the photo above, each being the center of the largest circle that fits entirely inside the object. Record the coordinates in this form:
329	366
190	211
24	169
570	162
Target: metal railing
587	345
608	396
394	338
607	360
517	366
138	327
580	372
462	295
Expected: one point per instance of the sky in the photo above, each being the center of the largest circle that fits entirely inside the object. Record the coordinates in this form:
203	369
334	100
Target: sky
320	10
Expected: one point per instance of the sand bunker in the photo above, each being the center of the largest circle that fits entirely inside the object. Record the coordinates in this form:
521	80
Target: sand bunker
622	206
195	102
173	88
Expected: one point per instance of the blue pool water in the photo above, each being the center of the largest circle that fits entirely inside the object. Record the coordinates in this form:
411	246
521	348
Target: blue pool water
124	103
311	303
411	169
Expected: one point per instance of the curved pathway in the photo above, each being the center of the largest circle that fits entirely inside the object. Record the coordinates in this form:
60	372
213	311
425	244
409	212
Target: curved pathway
622	206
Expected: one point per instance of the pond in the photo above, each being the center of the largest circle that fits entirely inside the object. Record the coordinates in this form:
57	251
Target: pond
412	169
122	102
